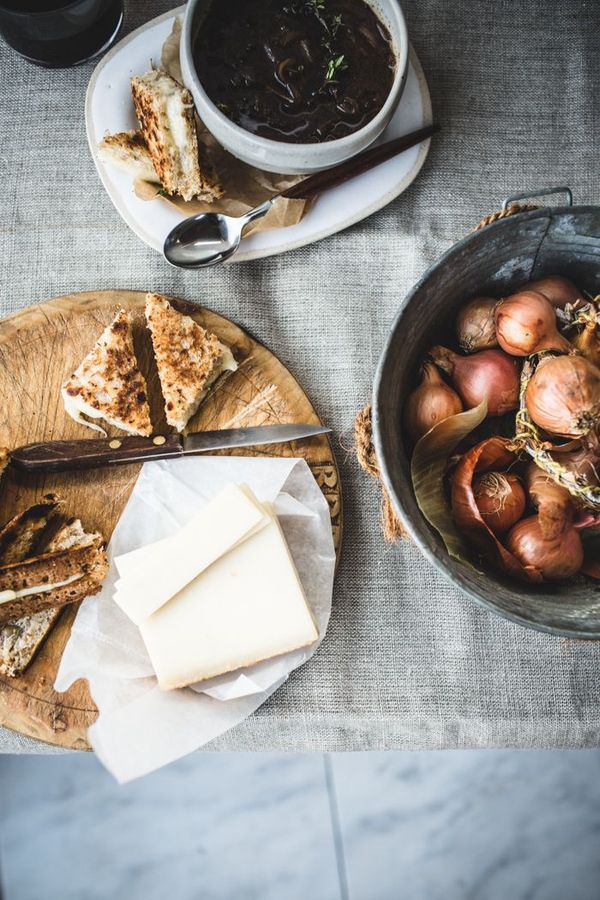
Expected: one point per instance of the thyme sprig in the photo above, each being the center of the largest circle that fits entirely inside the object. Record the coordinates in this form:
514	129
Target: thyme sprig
335	65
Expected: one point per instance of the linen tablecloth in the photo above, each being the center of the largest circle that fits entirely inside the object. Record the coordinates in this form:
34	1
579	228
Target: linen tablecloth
408	662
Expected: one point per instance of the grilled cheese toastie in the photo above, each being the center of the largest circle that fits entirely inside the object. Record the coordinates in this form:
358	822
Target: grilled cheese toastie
189	359
109	385
129	151
165	110
43	530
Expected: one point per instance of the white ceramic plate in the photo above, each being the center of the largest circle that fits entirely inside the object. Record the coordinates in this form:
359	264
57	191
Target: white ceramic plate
109	109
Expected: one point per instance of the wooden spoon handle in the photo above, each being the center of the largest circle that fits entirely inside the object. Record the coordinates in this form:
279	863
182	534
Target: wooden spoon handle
61	456
315	184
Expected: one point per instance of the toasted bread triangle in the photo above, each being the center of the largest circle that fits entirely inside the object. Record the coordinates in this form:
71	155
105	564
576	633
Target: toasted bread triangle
189	359
42	532
165	110
108	384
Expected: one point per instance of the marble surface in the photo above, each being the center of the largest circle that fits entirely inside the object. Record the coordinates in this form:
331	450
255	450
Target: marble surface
474	825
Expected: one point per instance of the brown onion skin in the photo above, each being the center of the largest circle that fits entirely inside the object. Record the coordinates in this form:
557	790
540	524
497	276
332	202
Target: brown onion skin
526	323
553	502
557	289
492	454
499	509
475	326
487	374
555	559
431	402
588	343
563	396
583	463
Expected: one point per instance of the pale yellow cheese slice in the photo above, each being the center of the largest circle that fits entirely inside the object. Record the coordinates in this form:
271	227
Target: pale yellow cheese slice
152	574
247	607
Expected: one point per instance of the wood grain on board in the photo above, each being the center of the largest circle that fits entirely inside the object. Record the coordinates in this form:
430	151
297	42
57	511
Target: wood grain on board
39	347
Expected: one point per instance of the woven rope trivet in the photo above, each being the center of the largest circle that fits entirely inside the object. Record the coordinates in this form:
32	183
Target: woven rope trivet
365	451
363	428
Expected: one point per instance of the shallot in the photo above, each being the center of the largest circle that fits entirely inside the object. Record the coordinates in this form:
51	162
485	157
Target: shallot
588	340
526	323
553	502
500	499
563	396
431	402
475	327
557	289
557	558
487	375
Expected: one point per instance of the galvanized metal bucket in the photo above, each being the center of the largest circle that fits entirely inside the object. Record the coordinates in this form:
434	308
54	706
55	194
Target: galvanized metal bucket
495	260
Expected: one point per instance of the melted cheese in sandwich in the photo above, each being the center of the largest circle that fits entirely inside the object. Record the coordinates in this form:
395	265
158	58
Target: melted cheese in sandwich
7	596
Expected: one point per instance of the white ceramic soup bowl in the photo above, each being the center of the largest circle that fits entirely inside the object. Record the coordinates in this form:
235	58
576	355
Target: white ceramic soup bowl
280	156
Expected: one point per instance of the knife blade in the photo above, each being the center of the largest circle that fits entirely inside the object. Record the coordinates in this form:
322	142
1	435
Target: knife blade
61	456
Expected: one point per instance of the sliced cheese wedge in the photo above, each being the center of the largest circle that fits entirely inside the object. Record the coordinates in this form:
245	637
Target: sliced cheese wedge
247	607
153	574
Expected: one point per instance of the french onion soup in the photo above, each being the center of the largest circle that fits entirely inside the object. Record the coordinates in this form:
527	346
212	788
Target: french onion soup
301	71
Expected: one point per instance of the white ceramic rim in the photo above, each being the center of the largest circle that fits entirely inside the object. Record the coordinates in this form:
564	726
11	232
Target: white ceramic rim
247	255
308	152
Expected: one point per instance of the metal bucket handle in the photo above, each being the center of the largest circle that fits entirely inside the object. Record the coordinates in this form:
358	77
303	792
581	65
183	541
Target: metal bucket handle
511	206
544	192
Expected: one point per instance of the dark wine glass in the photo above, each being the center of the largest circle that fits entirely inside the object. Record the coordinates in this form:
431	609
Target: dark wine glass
60	33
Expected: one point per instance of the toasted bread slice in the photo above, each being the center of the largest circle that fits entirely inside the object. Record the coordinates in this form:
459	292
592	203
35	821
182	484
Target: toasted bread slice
108	384
128	150
52	579
189	359
165	110
21	638
28	533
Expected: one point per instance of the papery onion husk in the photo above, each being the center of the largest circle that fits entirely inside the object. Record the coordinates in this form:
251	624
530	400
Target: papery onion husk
554	559
431	402
587	341
583	465
475	326
500	499
552	501
488	375
558	290
428	467
493	454
576	470
526	323
563	396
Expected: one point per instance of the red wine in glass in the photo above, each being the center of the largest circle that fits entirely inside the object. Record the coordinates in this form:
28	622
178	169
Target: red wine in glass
60	33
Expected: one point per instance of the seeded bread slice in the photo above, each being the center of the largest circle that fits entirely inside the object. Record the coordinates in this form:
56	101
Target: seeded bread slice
165	110
21	639
52	579
29	532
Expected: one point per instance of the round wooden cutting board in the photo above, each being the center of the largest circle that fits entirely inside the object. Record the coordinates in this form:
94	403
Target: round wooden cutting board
39	347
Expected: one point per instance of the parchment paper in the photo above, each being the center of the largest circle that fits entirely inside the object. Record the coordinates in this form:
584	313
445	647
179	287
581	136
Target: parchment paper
244	186
140	727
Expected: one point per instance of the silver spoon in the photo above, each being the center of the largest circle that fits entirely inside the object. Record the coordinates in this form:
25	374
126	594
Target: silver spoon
210	238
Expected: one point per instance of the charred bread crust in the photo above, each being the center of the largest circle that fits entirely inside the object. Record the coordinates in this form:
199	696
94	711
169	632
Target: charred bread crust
149	93
29	532
111	369
186	355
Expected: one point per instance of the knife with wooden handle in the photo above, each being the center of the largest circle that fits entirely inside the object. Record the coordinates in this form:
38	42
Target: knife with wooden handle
62	456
